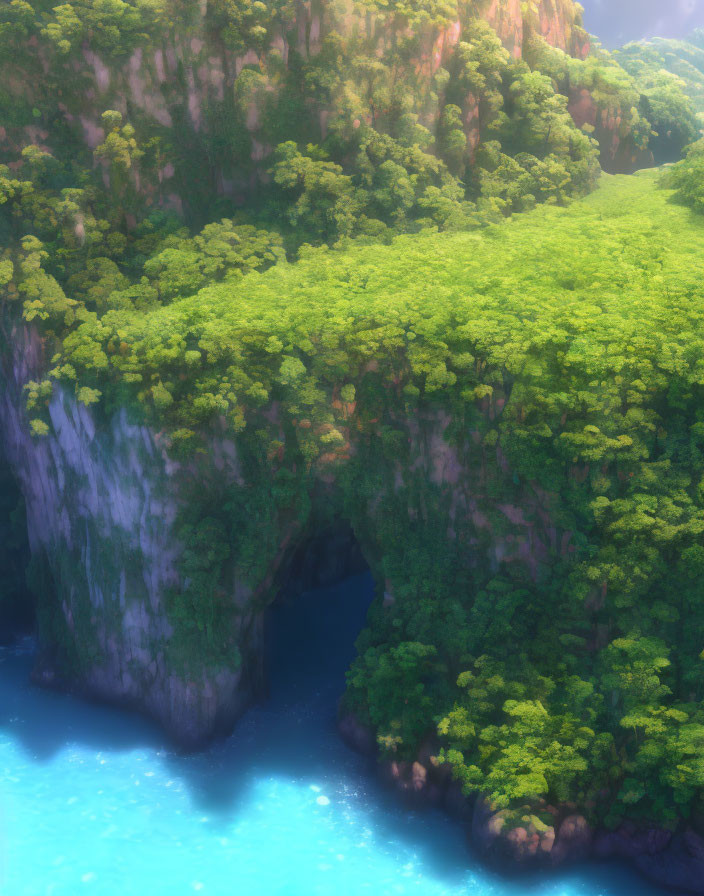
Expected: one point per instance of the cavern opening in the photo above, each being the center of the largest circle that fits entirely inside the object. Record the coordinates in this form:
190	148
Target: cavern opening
16	603
313	624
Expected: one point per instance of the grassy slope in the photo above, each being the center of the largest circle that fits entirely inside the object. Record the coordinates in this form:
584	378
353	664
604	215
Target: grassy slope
623	260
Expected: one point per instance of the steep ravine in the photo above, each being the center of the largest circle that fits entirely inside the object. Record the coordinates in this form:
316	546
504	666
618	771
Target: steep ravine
190	77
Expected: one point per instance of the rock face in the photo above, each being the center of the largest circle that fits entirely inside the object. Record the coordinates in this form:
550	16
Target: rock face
628	842
103	502
554	20
192	82
528	843
618	154
574	840
672	861
356	735
329	556
680	865
675	861
101	505
16	605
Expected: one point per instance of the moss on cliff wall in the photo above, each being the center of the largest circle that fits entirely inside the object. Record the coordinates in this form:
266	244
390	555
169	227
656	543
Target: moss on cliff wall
392	100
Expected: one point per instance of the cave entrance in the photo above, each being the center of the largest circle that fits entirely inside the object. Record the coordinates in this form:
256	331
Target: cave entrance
16	603
312	626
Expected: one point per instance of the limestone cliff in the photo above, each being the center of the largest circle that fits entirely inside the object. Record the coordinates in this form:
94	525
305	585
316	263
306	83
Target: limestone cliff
213	91
104	501
100	509
559	22
500	427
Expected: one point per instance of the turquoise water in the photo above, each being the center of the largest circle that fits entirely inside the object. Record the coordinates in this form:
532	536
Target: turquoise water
95	801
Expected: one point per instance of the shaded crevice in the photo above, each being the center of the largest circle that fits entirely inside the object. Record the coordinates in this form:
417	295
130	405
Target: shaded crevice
320	608
322	560
310	643
17	612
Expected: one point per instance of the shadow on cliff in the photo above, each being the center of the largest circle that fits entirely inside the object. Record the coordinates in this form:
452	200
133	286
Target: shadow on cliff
292	736
310	644
291	733
45	722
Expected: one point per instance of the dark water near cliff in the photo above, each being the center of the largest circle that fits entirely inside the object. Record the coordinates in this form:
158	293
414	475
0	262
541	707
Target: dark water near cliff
93	800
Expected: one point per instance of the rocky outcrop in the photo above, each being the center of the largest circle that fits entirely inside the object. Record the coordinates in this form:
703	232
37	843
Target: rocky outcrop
546	836
574	840
496	837
618	154
554	20
359	737
630	841
675	861
680	865
101	504
103	498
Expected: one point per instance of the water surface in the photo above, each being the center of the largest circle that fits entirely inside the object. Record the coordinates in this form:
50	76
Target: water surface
94	800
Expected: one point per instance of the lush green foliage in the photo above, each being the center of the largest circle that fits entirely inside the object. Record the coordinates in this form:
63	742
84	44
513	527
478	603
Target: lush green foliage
670	77
354	138
571	339
562	349
687	178
650	60
646	106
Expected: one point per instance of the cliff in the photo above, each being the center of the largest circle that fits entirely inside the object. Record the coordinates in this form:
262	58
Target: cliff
230	90
515	451
559	22
339	345
105	510
339	339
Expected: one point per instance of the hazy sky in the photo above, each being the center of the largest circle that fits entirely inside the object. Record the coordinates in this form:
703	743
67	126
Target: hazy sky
616	22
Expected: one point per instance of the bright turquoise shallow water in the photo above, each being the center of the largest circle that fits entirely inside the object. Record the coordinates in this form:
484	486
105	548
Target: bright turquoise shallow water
94	801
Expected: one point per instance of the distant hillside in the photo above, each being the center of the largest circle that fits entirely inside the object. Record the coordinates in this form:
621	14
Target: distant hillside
684	58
